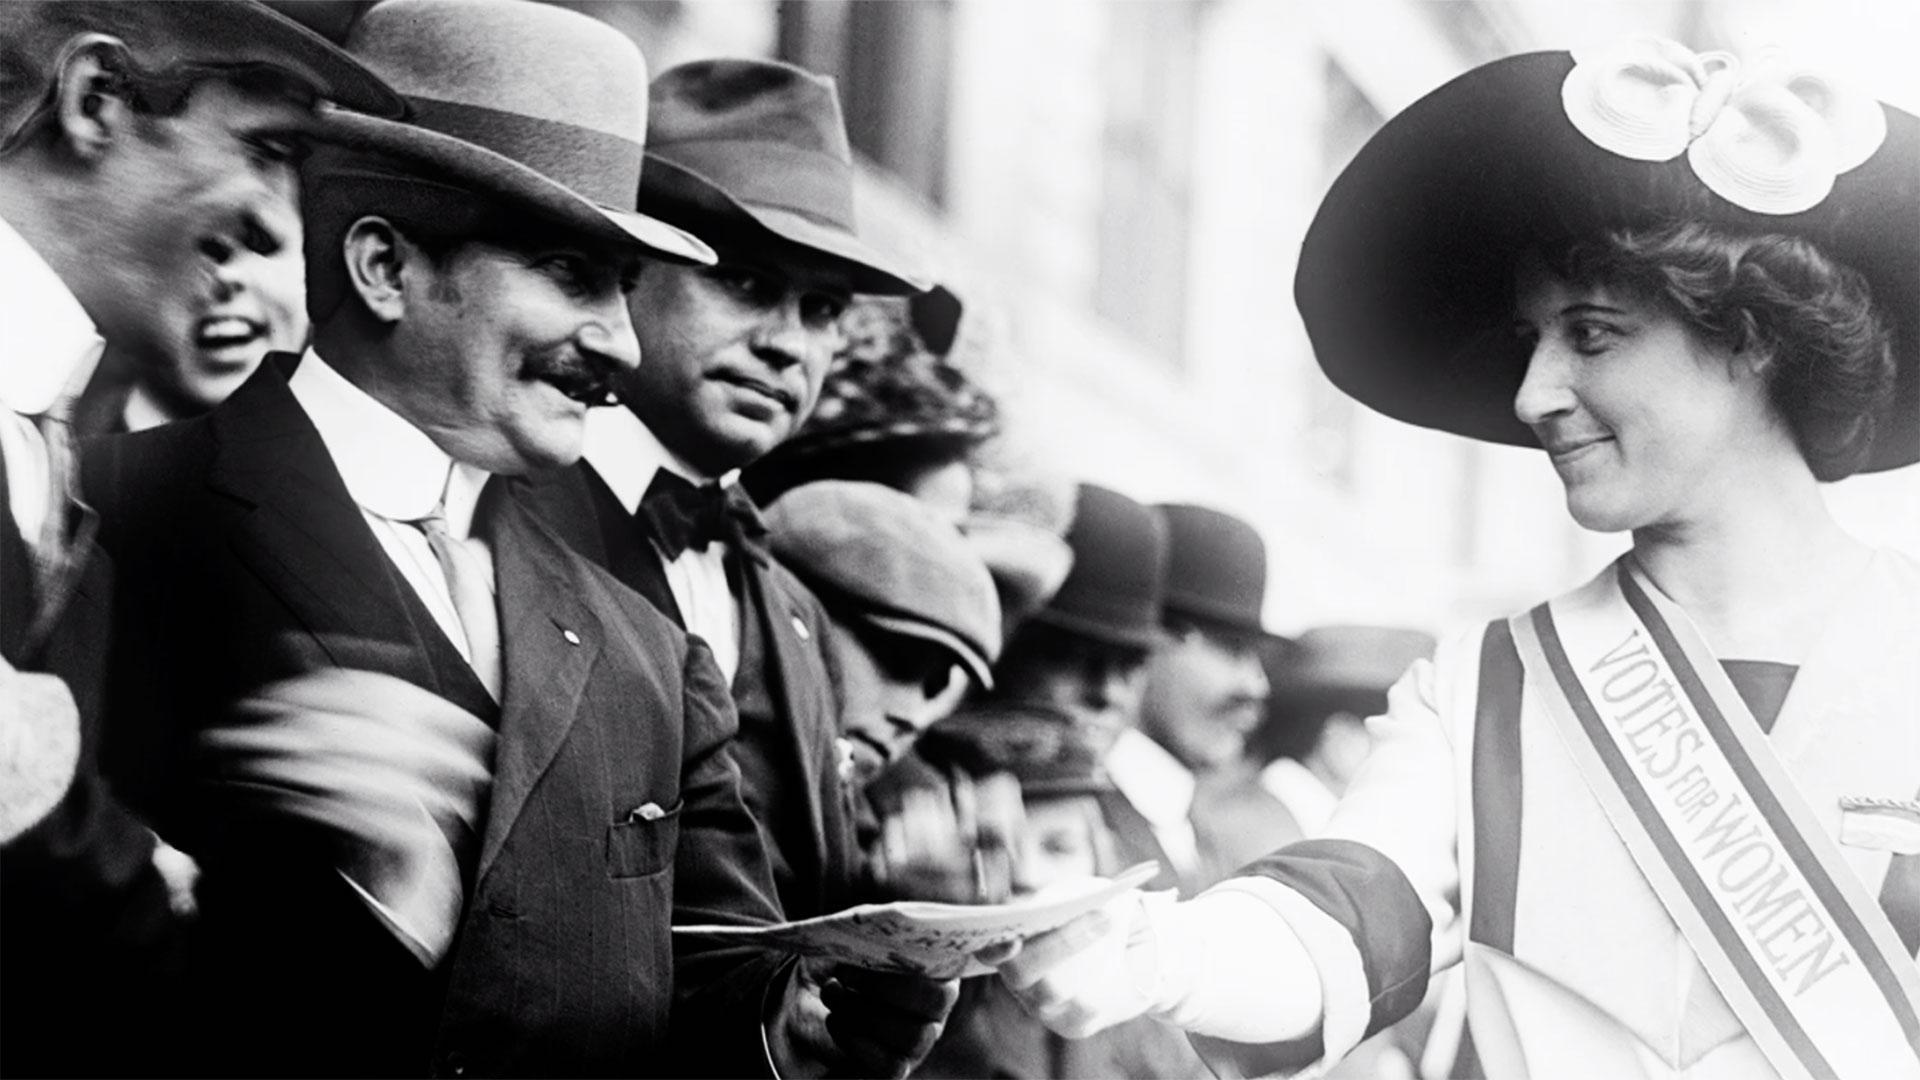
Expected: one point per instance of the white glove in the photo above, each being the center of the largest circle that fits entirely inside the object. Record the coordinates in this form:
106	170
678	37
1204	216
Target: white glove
1224	964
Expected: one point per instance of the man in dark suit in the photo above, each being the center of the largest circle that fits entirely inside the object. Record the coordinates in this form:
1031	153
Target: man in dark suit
126	161
753	156
448	782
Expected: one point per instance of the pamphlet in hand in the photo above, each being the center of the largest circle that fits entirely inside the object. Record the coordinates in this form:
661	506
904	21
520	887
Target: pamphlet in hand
932	939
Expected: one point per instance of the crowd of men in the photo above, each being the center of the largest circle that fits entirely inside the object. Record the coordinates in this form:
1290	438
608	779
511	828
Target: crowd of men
463	523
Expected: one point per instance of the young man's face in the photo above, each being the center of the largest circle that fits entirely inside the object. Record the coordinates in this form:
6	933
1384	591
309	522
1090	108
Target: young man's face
186	202
733	355
895	687
507	347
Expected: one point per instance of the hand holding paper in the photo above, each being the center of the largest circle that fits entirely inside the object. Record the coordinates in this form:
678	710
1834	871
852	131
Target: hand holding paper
396	773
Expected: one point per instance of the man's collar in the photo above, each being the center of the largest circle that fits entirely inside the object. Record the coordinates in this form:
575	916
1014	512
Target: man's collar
391	467
143	410
52	345
626	453
1152	779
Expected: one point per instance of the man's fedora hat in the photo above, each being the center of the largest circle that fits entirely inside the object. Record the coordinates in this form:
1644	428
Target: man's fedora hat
527	103
215	33
883	558
1216	568
1405	275
1118	581
760	143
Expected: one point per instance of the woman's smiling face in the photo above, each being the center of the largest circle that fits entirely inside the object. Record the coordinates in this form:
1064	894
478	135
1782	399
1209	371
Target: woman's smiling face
1643	418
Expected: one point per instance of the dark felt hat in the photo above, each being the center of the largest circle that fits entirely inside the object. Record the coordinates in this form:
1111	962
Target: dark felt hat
883	558
1042	748
542	108
763	143
1404	279
1216	568
215	32
1118	582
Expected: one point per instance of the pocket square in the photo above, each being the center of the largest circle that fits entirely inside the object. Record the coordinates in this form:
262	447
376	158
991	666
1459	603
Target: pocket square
646	812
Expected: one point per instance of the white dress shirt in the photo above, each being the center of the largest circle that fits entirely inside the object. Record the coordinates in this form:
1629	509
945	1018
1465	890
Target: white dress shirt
48	350
626	455
396	475
1161	788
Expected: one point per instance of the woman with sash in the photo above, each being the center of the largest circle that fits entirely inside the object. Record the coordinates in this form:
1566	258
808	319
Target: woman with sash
1666	822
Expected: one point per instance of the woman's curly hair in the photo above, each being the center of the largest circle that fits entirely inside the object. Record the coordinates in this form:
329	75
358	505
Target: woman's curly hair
1809	320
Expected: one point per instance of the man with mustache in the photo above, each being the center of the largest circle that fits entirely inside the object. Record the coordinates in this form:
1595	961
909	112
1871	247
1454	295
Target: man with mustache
753	156
130	135
1185	767
449	784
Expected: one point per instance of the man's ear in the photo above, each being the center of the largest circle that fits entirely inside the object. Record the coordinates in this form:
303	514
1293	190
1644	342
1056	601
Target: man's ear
375	255
91	104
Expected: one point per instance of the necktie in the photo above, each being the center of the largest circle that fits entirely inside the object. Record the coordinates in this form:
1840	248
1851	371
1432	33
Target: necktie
51	548
473	602
681	516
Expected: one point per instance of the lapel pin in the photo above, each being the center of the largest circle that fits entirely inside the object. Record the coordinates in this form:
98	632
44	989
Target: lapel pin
572	638
801	629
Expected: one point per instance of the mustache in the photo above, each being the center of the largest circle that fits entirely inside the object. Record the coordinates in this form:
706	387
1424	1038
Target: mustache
579	377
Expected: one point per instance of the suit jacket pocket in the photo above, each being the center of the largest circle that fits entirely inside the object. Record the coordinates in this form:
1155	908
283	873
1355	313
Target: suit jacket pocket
643	845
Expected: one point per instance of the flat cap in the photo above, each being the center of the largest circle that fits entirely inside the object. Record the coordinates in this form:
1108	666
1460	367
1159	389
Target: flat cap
882	558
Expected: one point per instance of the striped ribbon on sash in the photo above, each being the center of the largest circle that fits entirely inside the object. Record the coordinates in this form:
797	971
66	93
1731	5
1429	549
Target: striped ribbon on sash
1788	933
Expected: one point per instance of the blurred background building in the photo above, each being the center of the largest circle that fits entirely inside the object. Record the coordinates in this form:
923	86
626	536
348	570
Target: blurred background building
1119	190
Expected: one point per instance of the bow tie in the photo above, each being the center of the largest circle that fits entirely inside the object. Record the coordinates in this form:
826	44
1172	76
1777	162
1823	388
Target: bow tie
682	516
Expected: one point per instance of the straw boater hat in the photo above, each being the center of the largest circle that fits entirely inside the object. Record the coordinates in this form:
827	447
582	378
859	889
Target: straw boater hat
761	145
1405	275
531	104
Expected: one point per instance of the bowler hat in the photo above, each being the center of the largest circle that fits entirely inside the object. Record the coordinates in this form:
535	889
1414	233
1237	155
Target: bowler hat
1216	568
531	104
220	33
1405	276
1114	591
882	558
1329	666
1043	748
762	143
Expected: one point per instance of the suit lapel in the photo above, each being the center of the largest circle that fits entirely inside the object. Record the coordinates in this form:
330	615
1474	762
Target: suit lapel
551	641
786	679
303	535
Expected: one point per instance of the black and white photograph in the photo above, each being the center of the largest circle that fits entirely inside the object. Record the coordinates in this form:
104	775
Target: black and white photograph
960	539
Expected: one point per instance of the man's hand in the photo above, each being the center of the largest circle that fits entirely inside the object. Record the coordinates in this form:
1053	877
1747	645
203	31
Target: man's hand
395	773
883	1024
843	1021
956	841
39	747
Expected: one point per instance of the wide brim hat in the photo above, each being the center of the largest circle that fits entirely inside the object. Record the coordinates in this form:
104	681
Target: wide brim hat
224	33
1117	584
1405	276
762	142
535	106
1216	569
882	558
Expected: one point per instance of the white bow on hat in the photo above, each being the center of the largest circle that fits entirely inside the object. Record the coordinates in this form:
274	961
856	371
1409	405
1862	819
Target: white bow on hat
1770	139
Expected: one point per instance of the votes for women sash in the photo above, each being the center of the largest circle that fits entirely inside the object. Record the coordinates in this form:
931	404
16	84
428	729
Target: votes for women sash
1788	933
